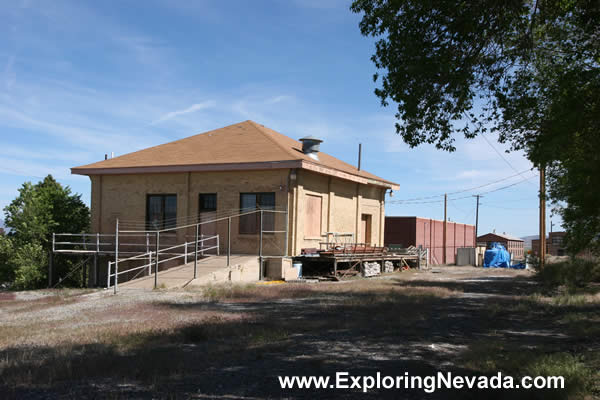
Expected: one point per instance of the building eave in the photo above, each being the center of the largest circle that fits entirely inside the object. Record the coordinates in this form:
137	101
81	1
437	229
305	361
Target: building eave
344	175
301	164
166	169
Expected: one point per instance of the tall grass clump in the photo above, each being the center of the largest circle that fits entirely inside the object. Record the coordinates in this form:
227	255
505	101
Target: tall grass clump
572	273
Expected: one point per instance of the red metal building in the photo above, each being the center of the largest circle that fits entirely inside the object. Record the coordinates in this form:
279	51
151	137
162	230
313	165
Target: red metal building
429	233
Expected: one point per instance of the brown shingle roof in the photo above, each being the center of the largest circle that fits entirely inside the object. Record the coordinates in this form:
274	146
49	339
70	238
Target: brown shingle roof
243	143
503	236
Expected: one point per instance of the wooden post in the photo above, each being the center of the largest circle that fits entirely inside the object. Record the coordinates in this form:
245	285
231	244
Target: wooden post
542	249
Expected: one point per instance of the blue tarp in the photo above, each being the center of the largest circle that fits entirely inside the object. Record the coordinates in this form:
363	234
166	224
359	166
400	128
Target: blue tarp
496	256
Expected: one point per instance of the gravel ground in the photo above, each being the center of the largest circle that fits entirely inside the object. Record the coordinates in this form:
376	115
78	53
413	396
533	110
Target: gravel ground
233	342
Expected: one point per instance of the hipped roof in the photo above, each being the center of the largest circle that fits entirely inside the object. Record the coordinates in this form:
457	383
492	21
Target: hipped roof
243	146
503	236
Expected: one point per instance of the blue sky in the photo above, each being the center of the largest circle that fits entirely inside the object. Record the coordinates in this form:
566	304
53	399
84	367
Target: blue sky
81	79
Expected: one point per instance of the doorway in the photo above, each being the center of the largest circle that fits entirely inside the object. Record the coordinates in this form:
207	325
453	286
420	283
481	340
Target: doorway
365	228
207	211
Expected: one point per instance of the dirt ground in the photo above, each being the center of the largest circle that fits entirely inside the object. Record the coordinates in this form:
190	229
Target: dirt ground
228	341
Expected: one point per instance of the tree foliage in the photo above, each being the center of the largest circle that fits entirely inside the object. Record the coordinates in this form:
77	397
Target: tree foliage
38	211
7	271
528	71
44	208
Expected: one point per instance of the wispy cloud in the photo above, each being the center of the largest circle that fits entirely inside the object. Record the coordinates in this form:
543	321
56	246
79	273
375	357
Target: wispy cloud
28	168
260	107
48	153
190	109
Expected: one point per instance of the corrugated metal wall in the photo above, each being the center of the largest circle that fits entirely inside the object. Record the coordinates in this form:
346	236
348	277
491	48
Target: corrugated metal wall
429	233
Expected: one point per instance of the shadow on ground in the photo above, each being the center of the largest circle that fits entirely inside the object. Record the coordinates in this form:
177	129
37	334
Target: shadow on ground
362	333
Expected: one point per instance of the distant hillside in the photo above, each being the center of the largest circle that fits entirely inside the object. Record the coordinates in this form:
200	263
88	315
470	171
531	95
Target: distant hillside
528	239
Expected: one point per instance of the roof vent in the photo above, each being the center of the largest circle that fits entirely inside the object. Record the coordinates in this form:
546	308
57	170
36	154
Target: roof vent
310	146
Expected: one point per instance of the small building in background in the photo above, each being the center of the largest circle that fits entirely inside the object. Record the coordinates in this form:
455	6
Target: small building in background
554	244
429	233
514	245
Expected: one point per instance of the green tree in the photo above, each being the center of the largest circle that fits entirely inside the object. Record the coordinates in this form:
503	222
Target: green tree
30	261
528	71
38	211
7	270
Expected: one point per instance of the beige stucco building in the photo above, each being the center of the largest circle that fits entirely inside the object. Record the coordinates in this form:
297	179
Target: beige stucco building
239	167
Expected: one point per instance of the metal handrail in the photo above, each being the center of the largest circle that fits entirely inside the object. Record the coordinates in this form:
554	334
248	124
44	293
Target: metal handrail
152	254
100	247
111	263
166	230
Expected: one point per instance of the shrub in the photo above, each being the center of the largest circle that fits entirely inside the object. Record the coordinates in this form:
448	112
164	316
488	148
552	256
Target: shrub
578	378
572	273
30	261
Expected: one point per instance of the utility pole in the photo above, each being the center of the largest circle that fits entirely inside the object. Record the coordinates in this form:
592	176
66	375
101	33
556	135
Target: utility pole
477	218
445	219
542	249
359	154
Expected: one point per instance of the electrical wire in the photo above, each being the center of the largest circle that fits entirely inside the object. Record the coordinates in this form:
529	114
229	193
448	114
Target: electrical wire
509	208
463	190
504	158
405	202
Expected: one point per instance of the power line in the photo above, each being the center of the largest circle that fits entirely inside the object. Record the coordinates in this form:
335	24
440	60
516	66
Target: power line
503	158
406	202
463	190
496	150
466	216
509	208
508	186
515	200
455	206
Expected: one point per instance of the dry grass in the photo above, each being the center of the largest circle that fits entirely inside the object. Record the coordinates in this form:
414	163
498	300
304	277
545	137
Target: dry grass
492	356
164	341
